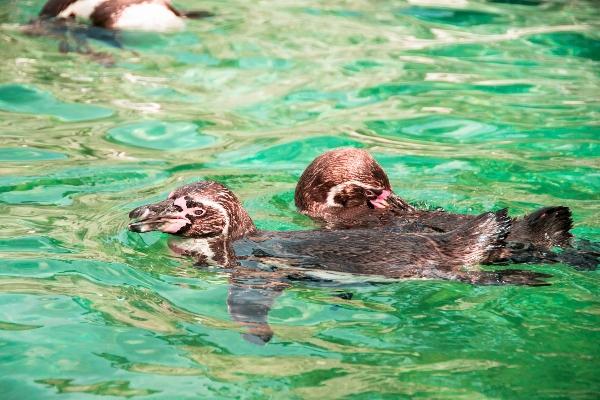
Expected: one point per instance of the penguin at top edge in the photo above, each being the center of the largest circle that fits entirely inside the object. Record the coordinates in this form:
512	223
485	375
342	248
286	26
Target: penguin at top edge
145	15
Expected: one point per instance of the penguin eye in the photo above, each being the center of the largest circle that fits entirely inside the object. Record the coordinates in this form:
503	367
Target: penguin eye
370	193
200	212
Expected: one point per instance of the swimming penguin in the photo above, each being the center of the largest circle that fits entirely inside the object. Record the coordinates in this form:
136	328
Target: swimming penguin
347	188
220	233
148	15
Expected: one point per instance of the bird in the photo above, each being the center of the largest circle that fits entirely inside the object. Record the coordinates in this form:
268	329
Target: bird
62	19
148	15
216	231
346	188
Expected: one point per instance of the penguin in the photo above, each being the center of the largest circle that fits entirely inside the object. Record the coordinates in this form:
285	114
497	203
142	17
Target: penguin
346	188
147	15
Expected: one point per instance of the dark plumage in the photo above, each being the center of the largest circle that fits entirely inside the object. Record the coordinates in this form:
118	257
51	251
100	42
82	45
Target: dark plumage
222	234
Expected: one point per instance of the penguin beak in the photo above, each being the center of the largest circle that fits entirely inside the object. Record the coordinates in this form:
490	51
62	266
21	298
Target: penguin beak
398	203
163	216
380	201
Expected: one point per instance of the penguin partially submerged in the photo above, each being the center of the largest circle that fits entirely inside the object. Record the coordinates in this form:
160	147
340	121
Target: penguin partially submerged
346	188
220	233
62	19
148	15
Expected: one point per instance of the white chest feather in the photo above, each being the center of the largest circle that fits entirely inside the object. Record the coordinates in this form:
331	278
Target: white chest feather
148	17
193	247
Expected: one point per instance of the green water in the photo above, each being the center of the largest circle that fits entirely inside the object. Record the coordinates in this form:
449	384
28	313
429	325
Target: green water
494	104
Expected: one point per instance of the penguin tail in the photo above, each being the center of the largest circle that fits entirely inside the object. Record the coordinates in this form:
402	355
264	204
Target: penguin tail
485	237
548	226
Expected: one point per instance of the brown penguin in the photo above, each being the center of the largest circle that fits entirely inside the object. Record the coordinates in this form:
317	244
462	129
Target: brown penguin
347	187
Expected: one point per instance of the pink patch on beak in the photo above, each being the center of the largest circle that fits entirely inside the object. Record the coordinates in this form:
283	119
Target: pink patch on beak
174	225
380	202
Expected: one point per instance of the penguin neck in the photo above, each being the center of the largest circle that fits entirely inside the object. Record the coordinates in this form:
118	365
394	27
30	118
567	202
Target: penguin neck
207	252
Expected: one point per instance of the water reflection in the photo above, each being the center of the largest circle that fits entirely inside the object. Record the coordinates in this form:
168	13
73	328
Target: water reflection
260	268
30	100
109	388
161	135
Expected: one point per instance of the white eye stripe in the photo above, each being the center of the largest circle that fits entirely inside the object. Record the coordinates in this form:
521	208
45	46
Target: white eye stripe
221	210
338	188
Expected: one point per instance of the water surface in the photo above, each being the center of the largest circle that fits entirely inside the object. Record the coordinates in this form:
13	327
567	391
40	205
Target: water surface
471	106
